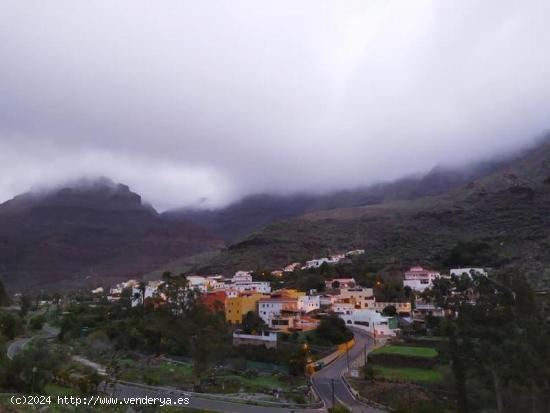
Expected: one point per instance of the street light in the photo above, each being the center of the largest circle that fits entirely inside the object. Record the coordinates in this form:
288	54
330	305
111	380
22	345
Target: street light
34	369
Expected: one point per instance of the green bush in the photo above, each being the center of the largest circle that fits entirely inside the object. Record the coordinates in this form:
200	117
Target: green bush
339	409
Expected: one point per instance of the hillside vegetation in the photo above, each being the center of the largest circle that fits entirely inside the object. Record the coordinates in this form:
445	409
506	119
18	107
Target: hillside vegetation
499	220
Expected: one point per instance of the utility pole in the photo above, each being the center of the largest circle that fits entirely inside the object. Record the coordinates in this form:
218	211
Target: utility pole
365	354
333	400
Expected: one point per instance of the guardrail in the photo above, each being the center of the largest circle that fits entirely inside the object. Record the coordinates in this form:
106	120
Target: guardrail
325	361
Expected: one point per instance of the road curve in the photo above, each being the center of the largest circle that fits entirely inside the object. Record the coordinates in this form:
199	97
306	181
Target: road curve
48	332
331	376
16	346
323	381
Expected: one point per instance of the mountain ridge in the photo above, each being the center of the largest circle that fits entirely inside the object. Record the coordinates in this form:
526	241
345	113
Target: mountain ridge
256	211
507	210
89	235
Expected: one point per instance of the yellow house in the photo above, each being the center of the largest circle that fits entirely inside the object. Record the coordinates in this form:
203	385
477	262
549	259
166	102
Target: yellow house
237	307
288	292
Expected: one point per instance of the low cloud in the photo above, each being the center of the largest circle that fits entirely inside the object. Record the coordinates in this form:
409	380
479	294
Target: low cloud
189	101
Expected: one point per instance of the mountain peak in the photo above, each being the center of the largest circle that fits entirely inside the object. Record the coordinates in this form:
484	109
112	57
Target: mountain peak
93	193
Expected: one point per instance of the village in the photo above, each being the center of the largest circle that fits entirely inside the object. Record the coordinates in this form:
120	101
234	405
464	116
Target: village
288	310
385	338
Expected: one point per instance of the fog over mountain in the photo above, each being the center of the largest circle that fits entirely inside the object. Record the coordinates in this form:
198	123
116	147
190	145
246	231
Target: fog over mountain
205	102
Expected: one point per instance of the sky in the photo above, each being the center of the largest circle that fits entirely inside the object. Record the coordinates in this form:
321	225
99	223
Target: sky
202	102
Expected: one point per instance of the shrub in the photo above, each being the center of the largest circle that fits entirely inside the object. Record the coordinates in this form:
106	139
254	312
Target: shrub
339	409
37	322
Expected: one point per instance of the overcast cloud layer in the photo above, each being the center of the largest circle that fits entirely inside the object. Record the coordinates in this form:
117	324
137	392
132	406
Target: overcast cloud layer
185	100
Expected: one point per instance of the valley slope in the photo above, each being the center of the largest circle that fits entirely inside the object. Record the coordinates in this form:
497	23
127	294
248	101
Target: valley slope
506	213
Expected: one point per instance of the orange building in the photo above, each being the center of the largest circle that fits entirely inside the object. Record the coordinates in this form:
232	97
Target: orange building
215	301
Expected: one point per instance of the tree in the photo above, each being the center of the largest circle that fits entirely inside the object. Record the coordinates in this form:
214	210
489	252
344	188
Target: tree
56	298
299	360
174	288
332	330
253	323
25	305
10	325
35	366
139	295
490	319
112	372
4	298
389	311
37	322
210	339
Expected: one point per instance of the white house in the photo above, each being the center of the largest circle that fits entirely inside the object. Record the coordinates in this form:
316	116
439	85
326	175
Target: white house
419	279
292	267
196	281
253	286
316	263
264	338
116	291
342	308
371	321
340	283
270	308
309	303
242	277
327	300
457	272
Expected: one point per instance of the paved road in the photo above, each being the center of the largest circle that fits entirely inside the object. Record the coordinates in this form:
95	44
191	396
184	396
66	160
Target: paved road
126	390
48	332
322	381
16	346
89	363
331	377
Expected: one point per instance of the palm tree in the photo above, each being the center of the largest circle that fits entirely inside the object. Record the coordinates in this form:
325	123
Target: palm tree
139	295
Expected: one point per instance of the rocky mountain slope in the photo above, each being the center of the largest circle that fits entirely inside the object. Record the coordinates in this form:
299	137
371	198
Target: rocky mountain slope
257	211
504	215
89	233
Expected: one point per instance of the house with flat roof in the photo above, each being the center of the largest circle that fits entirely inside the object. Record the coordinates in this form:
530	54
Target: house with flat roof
371	321
419	279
